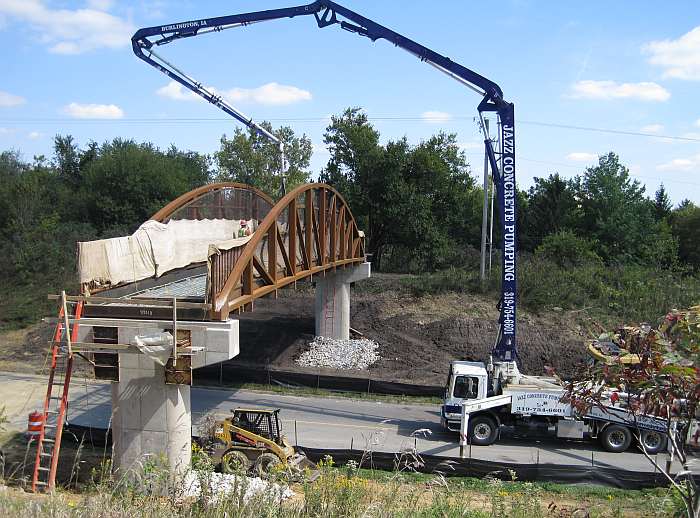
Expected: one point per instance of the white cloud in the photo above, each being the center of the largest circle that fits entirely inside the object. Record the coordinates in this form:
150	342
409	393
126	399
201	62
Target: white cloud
100	5
681	164
679	58
33	135
177	92
436	116
606	90
68	31
582	157
652	128
94	111
697	123
270	94
470	146
6	131
7	99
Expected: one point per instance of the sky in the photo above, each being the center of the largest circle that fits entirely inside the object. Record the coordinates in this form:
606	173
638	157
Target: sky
586	78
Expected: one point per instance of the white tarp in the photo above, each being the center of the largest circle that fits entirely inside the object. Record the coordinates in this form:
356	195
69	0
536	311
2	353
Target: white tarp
154	249
156	346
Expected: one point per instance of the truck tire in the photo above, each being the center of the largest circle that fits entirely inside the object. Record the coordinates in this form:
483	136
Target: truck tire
616	438
483	430
653	442
234	462
265	464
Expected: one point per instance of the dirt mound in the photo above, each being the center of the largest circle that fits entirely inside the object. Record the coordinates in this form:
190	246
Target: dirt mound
418	337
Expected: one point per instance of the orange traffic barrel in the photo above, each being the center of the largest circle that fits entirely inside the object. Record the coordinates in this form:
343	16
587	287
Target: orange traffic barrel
36	420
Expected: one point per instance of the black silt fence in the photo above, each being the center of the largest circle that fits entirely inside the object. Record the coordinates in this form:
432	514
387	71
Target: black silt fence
224	374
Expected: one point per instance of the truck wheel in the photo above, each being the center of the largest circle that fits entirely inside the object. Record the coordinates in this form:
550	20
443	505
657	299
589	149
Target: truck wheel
234	461
616	438
266	463
483	430
653	442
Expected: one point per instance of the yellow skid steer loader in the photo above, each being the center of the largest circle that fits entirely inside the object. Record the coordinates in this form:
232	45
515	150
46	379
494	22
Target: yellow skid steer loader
252	441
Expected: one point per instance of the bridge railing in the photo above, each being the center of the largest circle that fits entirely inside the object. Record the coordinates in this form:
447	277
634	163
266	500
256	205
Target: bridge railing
309	231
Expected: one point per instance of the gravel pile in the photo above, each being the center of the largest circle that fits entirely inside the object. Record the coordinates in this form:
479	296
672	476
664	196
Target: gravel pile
339	354
222	485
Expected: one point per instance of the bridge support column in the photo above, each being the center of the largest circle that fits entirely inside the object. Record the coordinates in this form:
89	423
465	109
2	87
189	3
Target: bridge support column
332	308
151	420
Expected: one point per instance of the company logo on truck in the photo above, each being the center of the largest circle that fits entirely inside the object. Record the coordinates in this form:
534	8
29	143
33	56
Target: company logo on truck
540	403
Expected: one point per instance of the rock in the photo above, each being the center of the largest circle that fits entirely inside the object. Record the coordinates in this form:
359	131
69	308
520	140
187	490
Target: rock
340	354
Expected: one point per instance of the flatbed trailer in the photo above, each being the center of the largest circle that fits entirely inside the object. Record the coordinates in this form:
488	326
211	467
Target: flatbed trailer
536	403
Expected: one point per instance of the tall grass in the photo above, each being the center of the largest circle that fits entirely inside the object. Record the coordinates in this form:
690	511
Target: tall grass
633	293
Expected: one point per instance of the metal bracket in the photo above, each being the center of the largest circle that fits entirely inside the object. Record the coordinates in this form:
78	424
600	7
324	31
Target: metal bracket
323	20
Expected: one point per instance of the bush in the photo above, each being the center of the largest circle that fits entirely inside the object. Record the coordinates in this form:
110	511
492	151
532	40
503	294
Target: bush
612	293
567	249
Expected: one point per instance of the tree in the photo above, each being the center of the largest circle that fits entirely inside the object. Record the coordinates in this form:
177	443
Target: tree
662	203
685	226
128	182
253	159
67	156
664	383
418	203
614	211
552	207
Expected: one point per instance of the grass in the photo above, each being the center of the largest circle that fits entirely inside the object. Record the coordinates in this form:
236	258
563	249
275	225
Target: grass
609	294
344	492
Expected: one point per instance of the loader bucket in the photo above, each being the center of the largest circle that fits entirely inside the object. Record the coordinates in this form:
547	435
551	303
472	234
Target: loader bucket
299	462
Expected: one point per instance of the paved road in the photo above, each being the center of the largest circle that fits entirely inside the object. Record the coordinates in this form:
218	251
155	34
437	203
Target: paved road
326	423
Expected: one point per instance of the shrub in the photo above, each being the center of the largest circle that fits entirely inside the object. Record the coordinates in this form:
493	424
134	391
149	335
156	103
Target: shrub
567	249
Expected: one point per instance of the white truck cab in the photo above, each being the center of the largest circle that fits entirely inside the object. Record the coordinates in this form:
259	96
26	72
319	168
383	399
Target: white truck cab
466	381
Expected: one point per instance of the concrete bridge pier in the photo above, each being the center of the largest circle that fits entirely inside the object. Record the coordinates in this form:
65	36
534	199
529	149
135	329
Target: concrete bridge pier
152	419
332	307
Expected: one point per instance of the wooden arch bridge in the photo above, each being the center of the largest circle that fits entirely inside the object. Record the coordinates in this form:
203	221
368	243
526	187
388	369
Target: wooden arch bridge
308	232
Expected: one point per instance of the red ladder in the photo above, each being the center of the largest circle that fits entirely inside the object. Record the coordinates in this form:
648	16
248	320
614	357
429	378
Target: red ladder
55	405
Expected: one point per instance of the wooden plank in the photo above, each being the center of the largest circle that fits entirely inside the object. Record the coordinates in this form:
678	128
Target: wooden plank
308	226
302	245
262	271
351	232
248	279
292	224
334	230
317	241
341	232
283	251
322	224
132	300
272	252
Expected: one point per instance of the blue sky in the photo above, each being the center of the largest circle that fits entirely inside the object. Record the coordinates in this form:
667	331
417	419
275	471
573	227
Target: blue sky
629	66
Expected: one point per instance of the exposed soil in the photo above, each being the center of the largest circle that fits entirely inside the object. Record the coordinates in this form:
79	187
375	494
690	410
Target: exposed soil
418	336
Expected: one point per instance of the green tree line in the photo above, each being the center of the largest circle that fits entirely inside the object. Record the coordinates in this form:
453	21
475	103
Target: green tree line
419	204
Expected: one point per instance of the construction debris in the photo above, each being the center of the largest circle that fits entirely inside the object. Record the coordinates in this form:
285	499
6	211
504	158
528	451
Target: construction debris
222	485
340	354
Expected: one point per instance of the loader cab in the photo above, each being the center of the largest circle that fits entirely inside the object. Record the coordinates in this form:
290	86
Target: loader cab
466	381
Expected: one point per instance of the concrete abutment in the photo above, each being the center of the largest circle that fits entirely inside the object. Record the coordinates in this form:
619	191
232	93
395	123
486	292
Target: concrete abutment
332	306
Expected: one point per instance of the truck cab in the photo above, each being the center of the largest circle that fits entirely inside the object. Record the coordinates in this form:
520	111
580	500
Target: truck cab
467	381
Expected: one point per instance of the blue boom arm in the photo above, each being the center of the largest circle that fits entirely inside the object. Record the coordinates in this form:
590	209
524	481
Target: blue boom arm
327	14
